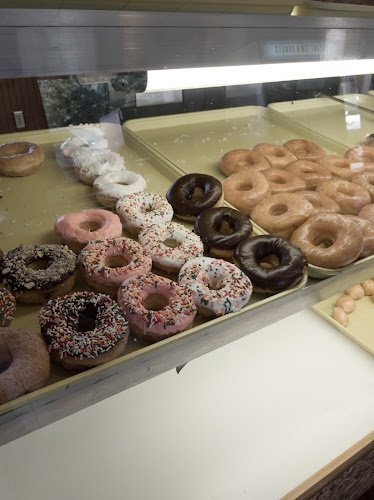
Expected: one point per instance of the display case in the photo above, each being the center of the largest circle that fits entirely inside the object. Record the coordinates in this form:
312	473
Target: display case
164	132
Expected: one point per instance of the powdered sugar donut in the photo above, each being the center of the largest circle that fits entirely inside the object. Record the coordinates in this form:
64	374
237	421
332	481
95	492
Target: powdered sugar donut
76	229
106	263
143	209
217	287
115	185
170	245
83	140
90	163
156	307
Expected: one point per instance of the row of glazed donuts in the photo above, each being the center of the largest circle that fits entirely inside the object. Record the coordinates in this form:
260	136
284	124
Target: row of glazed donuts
346	304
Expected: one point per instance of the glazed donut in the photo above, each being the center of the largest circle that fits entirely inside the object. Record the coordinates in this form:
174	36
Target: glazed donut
365	180
271	263
320	202
340	167
367	212
82	140
76	229
221	230
304	150
360	154
90	163
26	361
281	181
18	159
142	209
106	263
37	273
367	229
83	330
369	141
311	173
245	189
170	245
115	185
282	213
350	197
216	286
277	156
192	193
341	237
156	307
7	307
240	159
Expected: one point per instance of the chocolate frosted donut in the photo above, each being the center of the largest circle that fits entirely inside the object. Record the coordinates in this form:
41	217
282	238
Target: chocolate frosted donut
37	273
193	193
222	229
286	264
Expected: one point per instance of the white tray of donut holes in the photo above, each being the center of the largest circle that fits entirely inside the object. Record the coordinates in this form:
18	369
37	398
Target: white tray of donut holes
352	313
32	205
200	142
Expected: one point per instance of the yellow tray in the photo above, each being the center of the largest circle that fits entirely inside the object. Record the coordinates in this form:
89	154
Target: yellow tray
345	124
360	326
195	142
29	208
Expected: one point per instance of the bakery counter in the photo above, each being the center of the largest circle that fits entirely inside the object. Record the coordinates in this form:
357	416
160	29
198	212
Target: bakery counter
253	419
30	205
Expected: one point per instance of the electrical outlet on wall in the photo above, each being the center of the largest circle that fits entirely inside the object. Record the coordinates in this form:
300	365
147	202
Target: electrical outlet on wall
19	119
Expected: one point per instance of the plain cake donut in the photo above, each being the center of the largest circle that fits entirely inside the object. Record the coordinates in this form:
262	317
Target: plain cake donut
245	189
282	181
192	193
18	159
24	362
271	263
311	173
280	214
221	230
350	197
304	150
277	156
240	159
329	240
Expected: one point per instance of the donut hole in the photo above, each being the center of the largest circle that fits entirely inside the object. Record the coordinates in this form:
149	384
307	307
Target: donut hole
155	302
38	264
122	183
113	261
269	261
244	187
278	180
196	193
90	226
171	243
87	319
5	360
215	284
279	154
323	240
245	163
279	209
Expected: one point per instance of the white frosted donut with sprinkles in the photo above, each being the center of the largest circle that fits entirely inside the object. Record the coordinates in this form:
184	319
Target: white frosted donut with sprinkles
170	245
217	287
143	209
115	185
156	307
83	329
106	263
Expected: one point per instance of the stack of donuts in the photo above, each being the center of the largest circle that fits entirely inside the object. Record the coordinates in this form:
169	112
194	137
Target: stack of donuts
320	203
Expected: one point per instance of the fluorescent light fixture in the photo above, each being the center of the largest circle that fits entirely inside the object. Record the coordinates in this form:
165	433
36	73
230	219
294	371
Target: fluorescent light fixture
193	78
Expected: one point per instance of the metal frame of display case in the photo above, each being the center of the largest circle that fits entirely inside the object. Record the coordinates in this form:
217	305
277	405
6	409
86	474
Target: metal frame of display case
48	43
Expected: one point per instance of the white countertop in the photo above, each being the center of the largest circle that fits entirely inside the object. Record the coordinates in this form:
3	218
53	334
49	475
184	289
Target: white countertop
251	420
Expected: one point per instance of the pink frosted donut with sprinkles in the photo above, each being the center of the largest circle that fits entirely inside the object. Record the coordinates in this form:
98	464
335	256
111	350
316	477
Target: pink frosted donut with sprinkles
77	229
156	307
217	287
170	245
83	330
106	263
143	209
7	307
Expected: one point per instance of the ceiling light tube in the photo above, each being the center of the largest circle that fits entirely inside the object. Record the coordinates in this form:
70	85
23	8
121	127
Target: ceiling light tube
192	78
